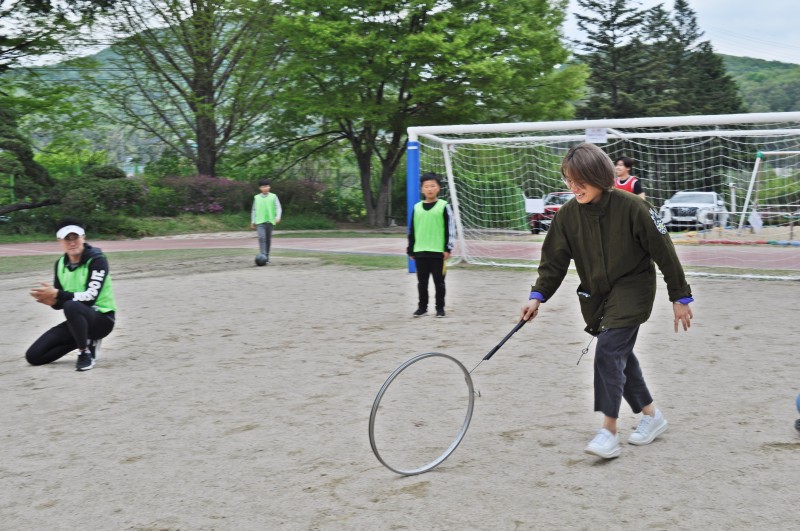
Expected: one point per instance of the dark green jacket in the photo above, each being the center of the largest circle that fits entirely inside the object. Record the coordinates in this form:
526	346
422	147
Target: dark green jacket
614	243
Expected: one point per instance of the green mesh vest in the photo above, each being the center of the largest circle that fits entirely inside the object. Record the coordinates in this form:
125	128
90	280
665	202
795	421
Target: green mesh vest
265	208
429	227
76	282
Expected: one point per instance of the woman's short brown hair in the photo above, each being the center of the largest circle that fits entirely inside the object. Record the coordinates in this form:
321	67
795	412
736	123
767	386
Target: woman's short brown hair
588	164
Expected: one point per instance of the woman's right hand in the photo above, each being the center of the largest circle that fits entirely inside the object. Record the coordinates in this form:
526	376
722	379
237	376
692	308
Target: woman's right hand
530	310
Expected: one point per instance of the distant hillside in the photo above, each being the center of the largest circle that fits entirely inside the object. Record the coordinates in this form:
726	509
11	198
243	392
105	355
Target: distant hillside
765	86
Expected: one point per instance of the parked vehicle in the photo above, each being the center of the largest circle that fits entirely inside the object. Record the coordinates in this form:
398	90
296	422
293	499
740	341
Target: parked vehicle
694	210
552	202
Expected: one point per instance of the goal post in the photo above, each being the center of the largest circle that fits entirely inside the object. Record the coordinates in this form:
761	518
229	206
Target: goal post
780	156
491	171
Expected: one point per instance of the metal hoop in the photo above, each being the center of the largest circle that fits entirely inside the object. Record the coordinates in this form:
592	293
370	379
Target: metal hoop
459	436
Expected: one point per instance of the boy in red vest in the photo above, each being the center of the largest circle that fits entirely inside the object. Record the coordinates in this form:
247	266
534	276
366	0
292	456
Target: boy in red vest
626	181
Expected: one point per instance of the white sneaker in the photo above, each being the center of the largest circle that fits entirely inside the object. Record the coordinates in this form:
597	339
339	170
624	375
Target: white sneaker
605	444
648	429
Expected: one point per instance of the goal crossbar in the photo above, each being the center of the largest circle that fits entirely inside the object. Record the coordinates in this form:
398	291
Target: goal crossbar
495	173
614	123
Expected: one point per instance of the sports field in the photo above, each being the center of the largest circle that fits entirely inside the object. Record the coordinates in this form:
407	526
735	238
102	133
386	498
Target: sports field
236	397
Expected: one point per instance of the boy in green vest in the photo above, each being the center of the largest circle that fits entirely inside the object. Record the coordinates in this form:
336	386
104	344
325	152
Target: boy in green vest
265	214
430	240
82	288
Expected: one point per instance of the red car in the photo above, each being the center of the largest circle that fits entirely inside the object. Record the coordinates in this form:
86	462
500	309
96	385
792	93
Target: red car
552	202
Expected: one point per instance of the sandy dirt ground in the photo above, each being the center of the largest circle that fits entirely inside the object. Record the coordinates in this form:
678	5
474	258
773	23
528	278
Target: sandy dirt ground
237	397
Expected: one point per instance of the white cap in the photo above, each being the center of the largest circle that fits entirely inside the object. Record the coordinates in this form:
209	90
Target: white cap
69	229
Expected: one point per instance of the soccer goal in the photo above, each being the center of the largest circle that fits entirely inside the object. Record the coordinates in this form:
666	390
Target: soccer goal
501	180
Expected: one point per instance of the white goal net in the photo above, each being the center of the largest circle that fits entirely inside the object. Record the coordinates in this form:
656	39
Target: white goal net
503	179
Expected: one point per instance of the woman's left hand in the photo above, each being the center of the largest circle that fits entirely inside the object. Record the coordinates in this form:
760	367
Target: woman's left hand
683	314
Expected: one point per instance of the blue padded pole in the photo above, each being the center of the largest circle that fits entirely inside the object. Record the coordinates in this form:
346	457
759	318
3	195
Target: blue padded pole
412	188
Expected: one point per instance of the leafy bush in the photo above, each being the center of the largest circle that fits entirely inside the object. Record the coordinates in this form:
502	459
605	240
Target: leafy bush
38	221
64	164
299	196
343	204
169	164
107	172
189	223
123	195
209	195
91	196
111	224
160	201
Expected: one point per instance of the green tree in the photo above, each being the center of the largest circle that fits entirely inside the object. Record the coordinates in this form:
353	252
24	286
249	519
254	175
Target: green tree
651	63
614	53
701	82
31	28
28	182
713	90
363	72
657	90
196	75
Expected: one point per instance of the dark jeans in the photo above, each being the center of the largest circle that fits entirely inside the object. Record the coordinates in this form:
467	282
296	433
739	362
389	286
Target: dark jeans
427	267
82	324
617	373
264	237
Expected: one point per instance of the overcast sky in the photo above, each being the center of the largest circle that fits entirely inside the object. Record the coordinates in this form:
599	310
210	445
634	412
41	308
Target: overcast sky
764	29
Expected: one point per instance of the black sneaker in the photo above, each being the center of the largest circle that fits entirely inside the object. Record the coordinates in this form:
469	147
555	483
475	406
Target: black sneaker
94	348
420	313
439	313
85	361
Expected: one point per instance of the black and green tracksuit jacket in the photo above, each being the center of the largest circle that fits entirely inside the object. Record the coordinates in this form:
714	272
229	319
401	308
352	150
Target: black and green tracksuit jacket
614	243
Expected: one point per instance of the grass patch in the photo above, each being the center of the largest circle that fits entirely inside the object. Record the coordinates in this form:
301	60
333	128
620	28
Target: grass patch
25	264
27	238
126	259
192	224
131	260
301	226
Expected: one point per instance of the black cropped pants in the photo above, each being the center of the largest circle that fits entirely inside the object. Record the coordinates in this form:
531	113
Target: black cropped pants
617	373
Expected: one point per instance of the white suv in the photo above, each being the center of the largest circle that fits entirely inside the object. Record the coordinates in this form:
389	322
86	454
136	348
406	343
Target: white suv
695	210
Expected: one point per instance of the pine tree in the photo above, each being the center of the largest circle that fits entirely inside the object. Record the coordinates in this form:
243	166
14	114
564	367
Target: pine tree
714	91
703	84
614	54
651	63
659	93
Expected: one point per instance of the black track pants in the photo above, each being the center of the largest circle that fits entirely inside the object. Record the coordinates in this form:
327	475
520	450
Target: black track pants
82	324
427	267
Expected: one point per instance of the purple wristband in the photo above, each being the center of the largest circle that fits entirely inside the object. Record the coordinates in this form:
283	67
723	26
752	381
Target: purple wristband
685	300
536	295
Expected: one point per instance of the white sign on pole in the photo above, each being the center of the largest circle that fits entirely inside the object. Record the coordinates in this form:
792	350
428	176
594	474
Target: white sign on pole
534	206
755	221
596	135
